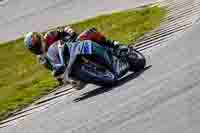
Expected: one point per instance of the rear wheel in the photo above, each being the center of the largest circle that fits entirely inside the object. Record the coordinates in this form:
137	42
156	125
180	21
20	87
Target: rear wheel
136	60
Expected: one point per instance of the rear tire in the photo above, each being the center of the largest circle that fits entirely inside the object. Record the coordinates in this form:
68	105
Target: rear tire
136	60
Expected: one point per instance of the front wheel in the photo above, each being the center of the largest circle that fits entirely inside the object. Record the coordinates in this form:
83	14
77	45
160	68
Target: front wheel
136	60
96	74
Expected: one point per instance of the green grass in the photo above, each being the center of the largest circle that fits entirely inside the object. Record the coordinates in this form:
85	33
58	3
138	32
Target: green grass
125	26
22	79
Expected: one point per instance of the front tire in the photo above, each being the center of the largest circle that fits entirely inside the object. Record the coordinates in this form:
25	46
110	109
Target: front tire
96	74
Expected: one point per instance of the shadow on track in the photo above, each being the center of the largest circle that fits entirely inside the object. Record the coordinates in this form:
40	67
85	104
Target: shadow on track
101	90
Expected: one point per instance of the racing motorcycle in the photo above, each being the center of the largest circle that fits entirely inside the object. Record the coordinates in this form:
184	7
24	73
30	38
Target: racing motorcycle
92	70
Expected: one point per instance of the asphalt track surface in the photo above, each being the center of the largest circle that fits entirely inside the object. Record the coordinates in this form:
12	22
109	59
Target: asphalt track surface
20	16
163	98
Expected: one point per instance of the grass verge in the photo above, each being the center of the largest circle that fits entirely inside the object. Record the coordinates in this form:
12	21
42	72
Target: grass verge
22	79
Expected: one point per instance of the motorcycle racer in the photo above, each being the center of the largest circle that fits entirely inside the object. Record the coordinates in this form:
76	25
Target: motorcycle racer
51	52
